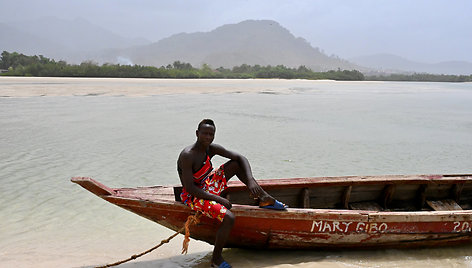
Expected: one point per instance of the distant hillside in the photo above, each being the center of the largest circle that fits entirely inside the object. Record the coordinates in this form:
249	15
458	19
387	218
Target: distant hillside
250	42
14	39
261	42
394	64
72	40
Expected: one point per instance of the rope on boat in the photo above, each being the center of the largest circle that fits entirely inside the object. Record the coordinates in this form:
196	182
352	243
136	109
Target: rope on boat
192	219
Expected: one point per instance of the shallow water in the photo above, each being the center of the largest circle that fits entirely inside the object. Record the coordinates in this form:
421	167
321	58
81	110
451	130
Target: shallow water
291	129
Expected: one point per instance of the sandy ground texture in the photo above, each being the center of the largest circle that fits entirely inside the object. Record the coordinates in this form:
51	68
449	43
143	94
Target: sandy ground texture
64	86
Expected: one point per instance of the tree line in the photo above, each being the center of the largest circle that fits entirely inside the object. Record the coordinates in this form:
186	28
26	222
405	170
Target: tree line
421	77
16	64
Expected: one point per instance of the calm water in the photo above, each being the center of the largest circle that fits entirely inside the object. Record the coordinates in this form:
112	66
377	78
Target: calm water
308	129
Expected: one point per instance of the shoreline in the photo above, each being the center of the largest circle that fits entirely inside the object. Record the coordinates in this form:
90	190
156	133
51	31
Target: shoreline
18	87
136	87
24	87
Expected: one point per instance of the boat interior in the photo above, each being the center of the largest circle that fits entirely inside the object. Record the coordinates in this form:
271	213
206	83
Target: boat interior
450	192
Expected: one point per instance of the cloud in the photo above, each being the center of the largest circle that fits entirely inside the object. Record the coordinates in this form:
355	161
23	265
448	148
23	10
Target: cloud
124	60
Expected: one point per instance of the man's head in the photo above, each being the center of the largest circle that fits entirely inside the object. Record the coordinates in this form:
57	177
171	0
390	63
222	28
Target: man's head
206	122
206	132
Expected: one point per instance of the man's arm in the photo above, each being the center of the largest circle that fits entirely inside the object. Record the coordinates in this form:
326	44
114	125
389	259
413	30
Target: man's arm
248	179
185	163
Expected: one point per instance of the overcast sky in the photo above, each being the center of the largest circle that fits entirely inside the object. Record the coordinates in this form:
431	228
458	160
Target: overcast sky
422	30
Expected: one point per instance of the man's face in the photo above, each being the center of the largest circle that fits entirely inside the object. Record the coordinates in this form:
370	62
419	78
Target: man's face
206	134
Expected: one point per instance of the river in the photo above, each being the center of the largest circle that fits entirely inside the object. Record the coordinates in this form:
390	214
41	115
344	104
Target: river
285	128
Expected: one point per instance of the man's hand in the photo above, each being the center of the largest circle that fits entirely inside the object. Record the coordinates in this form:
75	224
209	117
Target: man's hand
225	202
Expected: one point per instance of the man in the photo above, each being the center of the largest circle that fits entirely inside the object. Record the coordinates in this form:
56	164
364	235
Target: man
202	185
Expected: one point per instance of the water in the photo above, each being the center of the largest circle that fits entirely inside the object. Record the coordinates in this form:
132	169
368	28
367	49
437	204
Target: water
285	128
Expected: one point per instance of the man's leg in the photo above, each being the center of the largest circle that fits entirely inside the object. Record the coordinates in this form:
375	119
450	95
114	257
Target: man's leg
232	168
221	237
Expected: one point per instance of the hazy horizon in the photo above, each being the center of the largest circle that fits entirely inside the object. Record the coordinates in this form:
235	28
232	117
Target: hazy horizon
425	31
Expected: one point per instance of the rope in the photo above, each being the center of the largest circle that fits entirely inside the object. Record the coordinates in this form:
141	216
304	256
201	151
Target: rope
192	219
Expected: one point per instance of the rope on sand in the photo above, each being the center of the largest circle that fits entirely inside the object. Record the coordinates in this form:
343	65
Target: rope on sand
192	219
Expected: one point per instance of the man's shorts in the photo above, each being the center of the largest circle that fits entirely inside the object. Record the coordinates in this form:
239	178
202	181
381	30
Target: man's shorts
214	184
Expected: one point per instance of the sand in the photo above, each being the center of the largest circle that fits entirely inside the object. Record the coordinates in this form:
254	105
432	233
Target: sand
136	87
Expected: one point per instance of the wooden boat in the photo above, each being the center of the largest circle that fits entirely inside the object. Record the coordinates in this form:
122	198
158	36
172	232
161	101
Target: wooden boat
326	212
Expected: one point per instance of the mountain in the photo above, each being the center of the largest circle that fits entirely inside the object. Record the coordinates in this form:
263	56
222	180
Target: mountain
389	63
252	42
262	42
73	40
13	39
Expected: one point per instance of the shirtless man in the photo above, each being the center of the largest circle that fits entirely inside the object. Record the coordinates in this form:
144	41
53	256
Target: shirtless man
202	185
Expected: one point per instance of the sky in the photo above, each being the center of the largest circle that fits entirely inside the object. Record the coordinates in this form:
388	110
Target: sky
428	31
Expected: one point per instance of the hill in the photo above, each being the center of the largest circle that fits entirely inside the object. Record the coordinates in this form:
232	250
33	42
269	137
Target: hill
389	63
252	42
15	39
72	40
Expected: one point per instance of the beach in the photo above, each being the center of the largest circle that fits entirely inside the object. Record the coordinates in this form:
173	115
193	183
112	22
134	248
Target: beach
128	133
139	87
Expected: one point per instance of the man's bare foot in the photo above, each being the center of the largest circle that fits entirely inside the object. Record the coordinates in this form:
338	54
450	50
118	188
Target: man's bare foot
271	203
266	201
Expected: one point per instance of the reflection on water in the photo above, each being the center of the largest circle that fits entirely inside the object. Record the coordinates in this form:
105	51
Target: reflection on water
326	129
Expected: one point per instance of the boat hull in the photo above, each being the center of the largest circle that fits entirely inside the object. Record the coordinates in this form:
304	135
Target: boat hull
302	228
309	229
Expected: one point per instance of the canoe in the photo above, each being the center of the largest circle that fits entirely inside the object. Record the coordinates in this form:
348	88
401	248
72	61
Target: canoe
392	211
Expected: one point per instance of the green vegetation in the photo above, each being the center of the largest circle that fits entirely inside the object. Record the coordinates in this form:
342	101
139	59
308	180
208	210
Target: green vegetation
22	65
17	64
280	71
422	77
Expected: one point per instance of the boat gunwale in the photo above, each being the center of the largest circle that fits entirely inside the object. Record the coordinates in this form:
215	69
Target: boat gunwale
354	180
